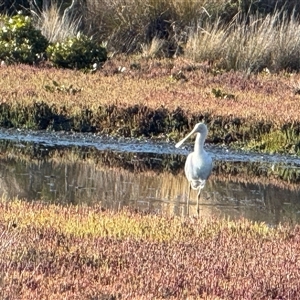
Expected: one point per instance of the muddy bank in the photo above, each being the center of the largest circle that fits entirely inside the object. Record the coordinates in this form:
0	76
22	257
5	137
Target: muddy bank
143	154
161	123
257	112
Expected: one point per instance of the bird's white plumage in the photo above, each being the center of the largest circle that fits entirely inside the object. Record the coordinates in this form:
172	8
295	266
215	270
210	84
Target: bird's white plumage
198	165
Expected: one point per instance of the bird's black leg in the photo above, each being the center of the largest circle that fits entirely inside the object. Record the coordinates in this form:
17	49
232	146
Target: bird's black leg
198	198
188	201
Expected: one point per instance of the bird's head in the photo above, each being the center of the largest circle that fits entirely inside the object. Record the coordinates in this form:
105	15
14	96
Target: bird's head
199	128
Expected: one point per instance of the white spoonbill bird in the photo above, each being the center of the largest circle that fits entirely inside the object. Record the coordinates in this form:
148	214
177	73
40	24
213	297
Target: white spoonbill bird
198	164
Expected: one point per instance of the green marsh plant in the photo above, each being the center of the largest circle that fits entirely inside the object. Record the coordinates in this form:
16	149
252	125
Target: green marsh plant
20	41
80	52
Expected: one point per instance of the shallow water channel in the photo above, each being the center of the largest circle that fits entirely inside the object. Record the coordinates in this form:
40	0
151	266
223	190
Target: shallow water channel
147	175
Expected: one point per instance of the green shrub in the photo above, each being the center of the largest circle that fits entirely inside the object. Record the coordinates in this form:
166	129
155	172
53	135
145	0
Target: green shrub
19	41
80	52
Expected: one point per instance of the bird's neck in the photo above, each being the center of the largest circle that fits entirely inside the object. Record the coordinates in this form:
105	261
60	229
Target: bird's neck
199	143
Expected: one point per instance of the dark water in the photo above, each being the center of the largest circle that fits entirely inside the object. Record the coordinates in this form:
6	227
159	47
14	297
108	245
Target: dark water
147	175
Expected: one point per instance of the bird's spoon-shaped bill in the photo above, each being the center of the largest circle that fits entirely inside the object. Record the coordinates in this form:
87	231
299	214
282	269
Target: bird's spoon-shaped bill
184	139
179	143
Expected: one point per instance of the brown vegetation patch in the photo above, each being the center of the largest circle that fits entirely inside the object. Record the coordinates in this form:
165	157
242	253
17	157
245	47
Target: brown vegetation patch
256	97
80	252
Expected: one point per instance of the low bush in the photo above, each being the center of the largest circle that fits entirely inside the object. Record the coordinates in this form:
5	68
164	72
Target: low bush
80	52
20	41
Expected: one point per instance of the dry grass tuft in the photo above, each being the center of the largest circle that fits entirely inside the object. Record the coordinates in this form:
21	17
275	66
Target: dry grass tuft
54	26
248	44
153	49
